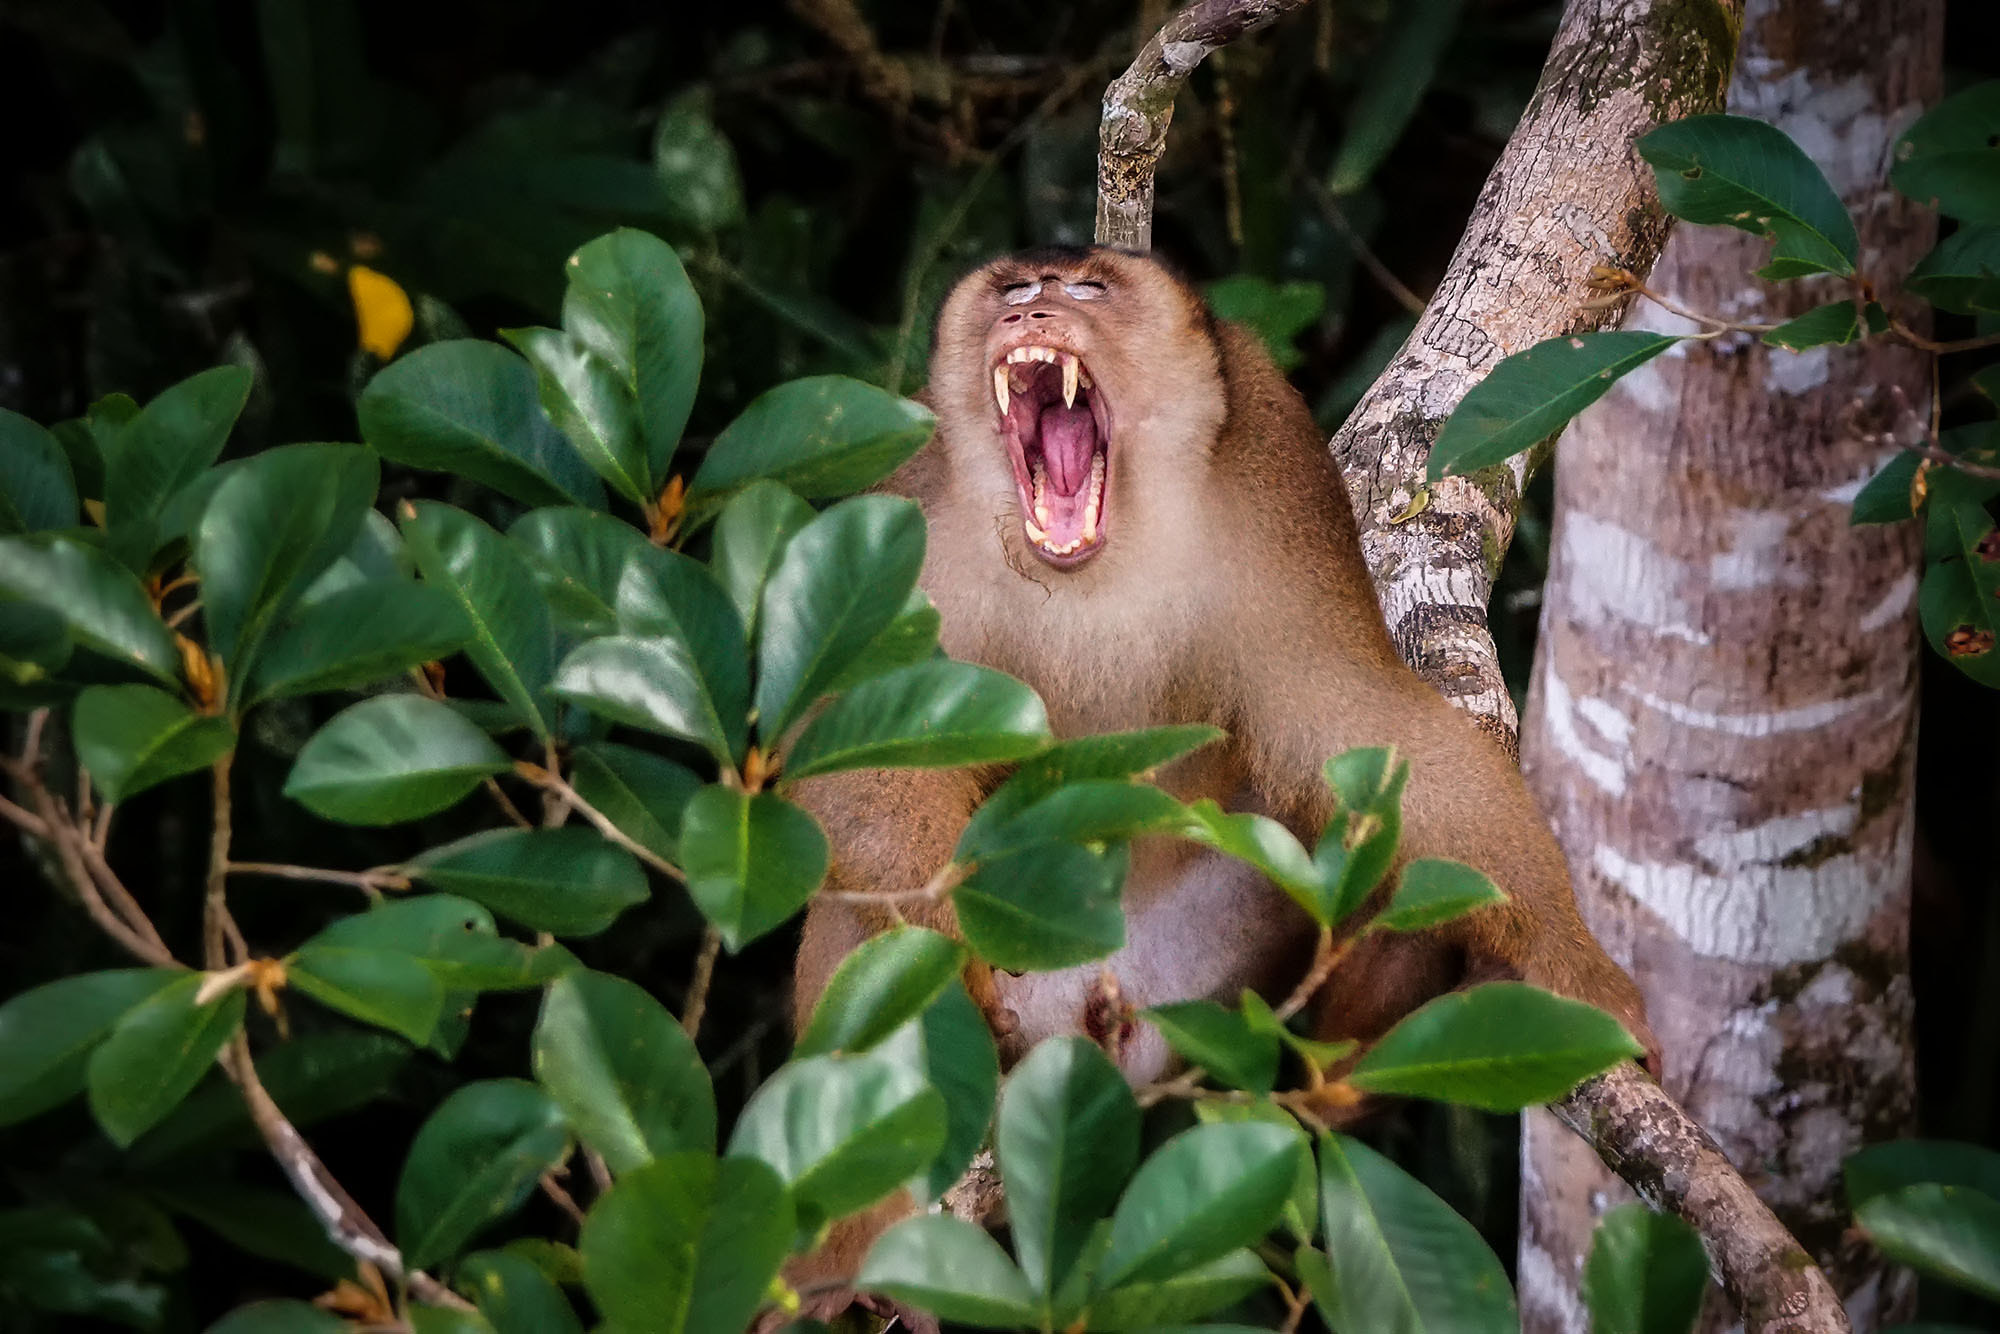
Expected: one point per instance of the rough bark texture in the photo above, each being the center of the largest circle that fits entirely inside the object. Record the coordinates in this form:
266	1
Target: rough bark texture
1569	192
1139	107
1723	714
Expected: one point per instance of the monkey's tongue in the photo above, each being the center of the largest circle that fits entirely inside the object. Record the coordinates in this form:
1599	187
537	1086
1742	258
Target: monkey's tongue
1068	439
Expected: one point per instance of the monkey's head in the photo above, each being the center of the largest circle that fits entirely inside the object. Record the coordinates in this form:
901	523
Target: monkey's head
1087	380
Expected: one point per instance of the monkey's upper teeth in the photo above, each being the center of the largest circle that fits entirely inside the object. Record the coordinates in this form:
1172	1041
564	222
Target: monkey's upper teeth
1027	353
1071	368
1000	388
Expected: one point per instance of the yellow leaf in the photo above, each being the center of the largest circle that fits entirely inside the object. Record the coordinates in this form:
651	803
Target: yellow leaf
381	309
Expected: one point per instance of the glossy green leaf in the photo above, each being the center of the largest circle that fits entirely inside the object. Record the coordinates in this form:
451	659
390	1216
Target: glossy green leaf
1067	1139
666	597
630	302
651	684
569	881
472	1163
748	536
1397	1259
842	1131
445	1320
952	1045
377	555
34	646
935	715
1359	844
1835	323
623	1070
1532	395
1951	157
911	638
823	436
1271	848
470	407
686	1245
1044	908
1880	1168
390	759
162	450
279	1317
1184	1296
103	606
514	638
751	861
37	490
642	793
1886	496
1301	1212
1432	891
1646	1273
359	636
1221	1041
48	1033
888	980
1951	1232
592	405
515	1296
578	557
1111	755
387	988
952	1269
268	531
1090	810
697	166
1963	274
133	737
1959	599
453	937
1199	1196
1732	171
1500	1046
156	1054
837	585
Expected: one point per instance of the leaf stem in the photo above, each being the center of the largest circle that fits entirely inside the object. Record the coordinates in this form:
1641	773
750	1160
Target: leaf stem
370	882
222	942
698	983
553	782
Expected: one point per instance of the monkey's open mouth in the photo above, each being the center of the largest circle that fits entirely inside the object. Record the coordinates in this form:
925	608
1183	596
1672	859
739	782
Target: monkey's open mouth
1058	431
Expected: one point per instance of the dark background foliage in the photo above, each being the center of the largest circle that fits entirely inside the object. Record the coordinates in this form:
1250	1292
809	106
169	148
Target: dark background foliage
186	184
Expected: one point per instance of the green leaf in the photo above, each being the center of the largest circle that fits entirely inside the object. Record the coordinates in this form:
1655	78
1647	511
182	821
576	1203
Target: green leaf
751	861
1432	891
1959	599
37	490
642	793
1394	78
1044	908
909	639
934	715
1737	172
1501	1046
823	436
630	302
1881	1168
623	1070
569	881
1950	1232
389	989
697	166
279	1317
578	556
1204	1193
651	684
278	520
842	1131
1532	395
953	1047
453	937
493	582
48	1033
104	607
156	1054
267	1223
515	1296
686	1244
952	1269
470	407
1067	1139
888	980
1301	1213
34	646
1276	313
1835	323
591	404
359	636
445	1320
1177	1298
838	585
1220	1041
669	598
1397	1258
390	759
1110	755
1368	783
1963	274
1950	157
134	737
472	1163
1091	810
1270	847
162	450
1646	1273
749	534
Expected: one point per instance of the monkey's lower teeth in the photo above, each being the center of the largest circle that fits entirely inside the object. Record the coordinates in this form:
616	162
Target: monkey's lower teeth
1093	508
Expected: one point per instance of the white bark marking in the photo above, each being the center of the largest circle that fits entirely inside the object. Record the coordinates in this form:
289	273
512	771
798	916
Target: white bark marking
1560	711
1756	555
1546	1289
1797	373
1765	723
1610	724
1894	603
1773	840
1612	572
1845	493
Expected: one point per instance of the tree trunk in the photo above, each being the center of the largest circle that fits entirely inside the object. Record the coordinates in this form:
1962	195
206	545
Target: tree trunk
1723	716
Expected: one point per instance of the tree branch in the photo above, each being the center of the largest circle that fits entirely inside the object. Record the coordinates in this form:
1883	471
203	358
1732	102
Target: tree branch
1139	106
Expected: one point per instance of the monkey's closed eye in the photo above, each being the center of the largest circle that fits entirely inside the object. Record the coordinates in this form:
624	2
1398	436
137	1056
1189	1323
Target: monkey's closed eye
1089	291
1020	294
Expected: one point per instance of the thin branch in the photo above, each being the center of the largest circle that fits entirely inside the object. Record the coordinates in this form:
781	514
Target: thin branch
704	973
26	819
371	882
506	804
91	852
947	878
1337	218
1917	340
1139	106
221	942
561	1198
69	844
553	782
1326	956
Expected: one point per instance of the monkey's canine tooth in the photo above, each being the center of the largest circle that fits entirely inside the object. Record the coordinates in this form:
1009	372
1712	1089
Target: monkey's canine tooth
1000	388
1070	368
1038	534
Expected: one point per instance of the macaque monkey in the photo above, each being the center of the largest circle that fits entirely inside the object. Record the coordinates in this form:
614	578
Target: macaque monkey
1132	511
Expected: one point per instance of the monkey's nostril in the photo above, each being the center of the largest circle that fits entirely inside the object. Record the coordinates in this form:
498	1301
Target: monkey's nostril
1015	318
1041	314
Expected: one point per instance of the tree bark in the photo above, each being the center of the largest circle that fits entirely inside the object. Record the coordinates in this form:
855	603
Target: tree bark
1723	714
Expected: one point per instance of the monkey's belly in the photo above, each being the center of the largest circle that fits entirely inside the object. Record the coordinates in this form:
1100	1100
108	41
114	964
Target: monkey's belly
1196	927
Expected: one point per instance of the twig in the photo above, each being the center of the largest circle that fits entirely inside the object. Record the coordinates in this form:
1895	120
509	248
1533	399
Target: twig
1337	218
1297	1302
553	782
1326	956
371	882
26	819
1139	106
1917	340
221	942
506	804
561	1198
91	852
704	973
947	878
68	844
